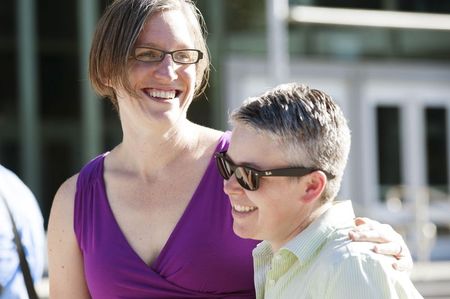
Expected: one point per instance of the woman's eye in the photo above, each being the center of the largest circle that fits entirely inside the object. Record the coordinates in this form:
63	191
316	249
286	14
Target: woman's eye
183	56
148	55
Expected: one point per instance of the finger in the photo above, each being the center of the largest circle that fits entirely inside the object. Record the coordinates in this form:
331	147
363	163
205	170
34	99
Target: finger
370	225
362	220
363	227
365	220
404	264
392	248
381	233
404	261
366	236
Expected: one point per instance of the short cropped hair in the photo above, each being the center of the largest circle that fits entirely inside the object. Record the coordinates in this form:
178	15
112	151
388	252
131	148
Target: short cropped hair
116	35
306	123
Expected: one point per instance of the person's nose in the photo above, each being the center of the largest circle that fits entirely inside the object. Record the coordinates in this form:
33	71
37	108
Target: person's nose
231	186
166	68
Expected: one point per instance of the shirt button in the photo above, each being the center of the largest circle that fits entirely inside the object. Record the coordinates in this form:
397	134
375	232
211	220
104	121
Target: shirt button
271	282
278	257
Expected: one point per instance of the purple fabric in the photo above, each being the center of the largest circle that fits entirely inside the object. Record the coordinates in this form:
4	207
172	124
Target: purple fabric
202	258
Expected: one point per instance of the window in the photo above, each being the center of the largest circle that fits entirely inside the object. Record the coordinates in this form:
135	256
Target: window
389	164
436	145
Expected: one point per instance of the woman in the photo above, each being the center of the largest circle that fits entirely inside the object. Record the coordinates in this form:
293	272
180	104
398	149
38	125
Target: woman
149	219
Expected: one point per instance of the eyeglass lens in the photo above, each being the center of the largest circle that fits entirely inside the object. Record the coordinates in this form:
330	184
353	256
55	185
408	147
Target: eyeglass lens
245	177
186	56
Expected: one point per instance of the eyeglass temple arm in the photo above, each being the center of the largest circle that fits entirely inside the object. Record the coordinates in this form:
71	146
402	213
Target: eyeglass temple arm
292	172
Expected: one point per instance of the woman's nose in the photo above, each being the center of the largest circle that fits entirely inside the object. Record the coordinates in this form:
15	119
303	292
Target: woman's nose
167	67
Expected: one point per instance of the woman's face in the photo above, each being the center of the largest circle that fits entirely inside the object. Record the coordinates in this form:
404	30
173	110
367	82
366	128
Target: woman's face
165	89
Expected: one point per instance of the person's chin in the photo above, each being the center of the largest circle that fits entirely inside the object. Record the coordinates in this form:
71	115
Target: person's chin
243	232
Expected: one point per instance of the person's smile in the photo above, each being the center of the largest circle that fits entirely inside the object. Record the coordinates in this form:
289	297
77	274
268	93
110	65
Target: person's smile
243	209
162	94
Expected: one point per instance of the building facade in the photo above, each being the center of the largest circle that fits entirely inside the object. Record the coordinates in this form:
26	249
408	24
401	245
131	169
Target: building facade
391	82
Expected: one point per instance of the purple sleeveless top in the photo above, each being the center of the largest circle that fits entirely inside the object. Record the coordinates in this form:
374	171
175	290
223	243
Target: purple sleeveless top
202	258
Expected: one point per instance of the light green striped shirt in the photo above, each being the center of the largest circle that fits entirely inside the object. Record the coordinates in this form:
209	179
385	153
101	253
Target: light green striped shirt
321	262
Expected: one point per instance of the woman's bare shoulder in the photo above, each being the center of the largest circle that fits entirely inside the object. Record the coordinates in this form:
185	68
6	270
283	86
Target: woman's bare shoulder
67	189
64	199
210	136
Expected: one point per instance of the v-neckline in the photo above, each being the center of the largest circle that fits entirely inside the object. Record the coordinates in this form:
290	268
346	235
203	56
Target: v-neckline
156	263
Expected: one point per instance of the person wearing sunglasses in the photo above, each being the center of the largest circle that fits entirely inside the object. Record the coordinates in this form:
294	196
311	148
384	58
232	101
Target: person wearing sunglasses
149	218
282	172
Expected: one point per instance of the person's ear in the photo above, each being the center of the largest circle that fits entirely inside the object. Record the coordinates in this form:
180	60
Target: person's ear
315	183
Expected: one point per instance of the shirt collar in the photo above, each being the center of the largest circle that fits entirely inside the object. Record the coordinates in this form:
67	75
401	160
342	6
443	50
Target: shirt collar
305	245
340	214
263	251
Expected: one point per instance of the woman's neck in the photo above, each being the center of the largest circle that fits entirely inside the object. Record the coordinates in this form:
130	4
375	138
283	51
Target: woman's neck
157	149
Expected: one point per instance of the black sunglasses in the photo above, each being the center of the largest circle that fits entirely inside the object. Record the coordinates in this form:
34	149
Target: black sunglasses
249	177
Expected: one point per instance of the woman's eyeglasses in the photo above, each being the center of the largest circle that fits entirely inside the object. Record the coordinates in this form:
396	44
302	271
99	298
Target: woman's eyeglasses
184	56
249	177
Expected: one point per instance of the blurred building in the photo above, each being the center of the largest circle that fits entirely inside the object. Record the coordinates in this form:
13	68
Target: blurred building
392	82
387	64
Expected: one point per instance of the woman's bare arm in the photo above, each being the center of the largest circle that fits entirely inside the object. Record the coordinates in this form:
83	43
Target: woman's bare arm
66	271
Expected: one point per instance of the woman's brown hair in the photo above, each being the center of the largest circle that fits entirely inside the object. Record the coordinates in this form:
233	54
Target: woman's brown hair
116	35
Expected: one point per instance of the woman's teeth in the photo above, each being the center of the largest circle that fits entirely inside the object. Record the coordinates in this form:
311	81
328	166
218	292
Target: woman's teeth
243	209
162	94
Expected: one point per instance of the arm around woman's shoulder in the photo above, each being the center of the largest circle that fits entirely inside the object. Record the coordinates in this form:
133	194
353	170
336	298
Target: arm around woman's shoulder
66	272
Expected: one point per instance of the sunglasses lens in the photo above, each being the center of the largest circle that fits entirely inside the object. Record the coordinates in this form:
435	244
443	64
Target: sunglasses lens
246	178
224	167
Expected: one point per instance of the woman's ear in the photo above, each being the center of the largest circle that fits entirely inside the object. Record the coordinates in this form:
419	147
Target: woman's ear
314	185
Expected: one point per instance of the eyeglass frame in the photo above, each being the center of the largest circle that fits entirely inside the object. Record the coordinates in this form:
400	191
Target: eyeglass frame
278	172
199	57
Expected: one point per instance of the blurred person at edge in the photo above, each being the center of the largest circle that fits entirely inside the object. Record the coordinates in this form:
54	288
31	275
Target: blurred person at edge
30	227
282	172
149	219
